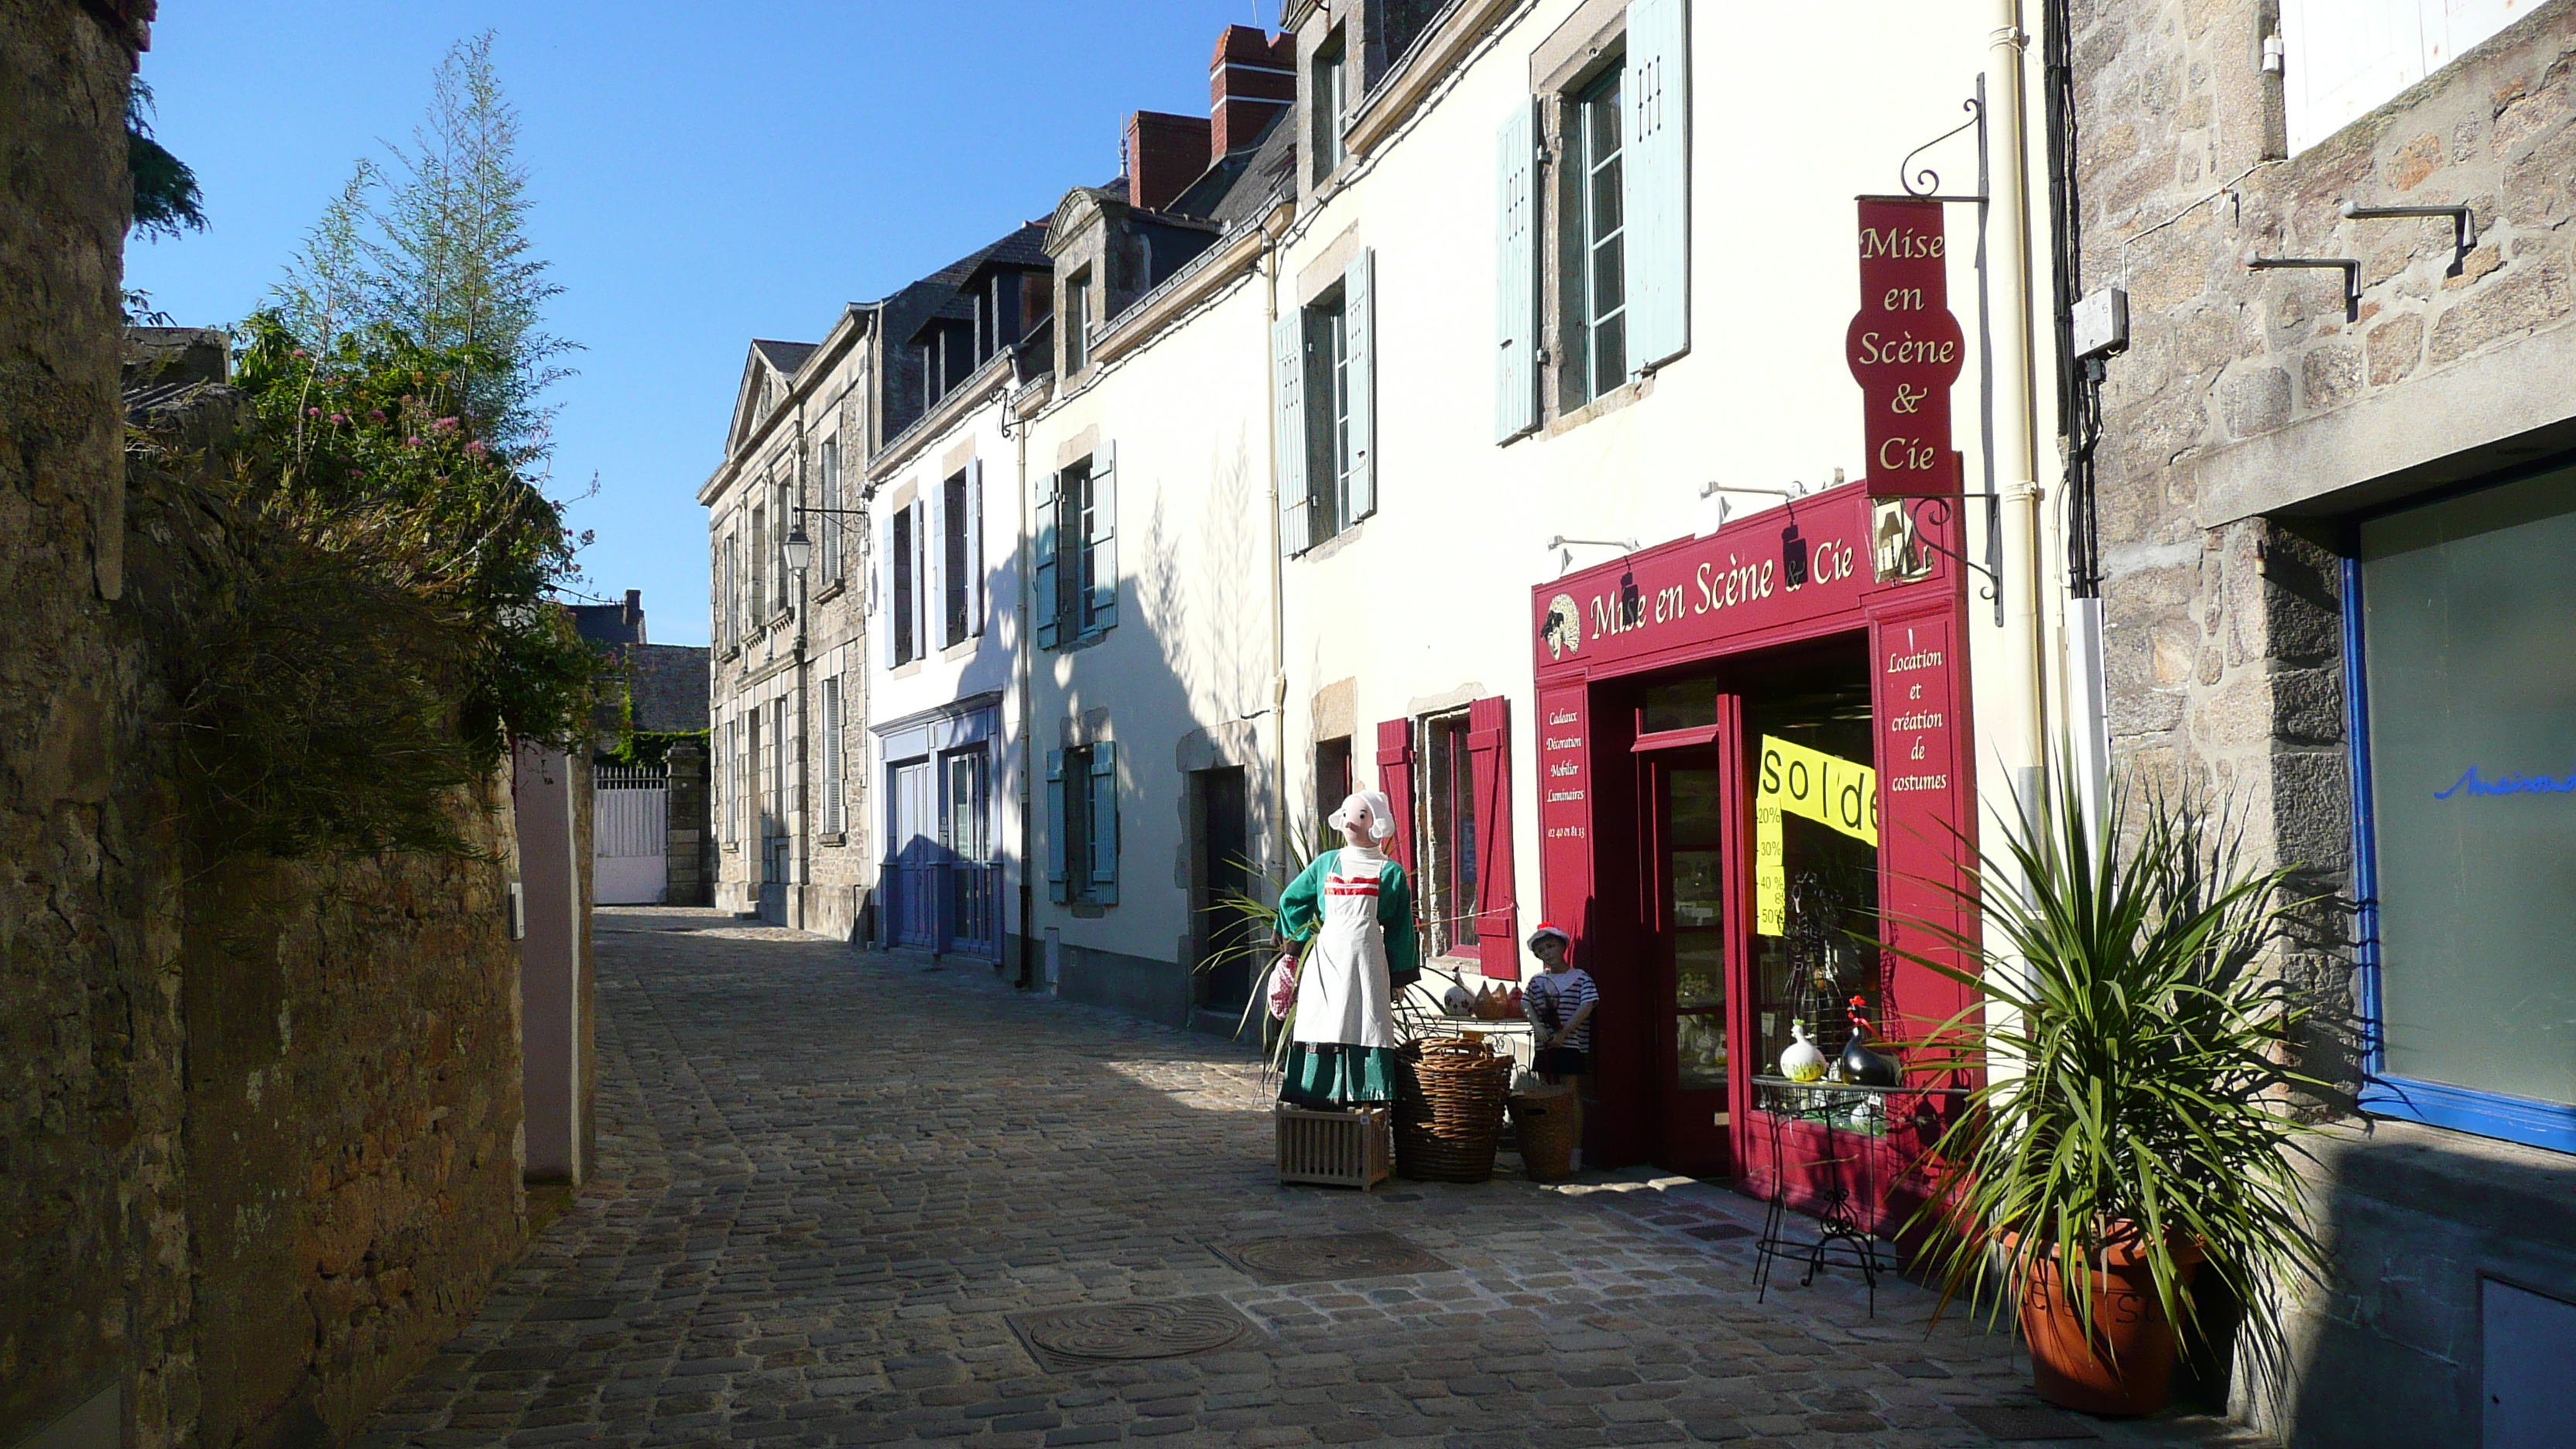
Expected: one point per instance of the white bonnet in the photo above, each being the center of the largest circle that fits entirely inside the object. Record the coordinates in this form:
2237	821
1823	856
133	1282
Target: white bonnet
1374	803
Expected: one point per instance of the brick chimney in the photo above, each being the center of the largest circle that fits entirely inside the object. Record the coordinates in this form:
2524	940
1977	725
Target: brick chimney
1253	78
1165	153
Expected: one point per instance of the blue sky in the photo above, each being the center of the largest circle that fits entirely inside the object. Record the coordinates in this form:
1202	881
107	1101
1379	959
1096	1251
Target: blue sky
703	174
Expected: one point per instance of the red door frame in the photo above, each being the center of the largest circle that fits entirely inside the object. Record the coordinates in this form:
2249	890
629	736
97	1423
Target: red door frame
1696	601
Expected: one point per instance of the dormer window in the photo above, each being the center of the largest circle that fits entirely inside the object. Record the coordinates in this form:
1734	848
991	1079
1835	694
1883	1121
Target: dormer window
1327	92
1077	321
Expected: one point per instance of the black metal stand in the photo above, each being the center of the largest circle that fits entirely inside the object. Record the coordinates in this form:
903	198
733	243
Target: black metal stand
1833	1106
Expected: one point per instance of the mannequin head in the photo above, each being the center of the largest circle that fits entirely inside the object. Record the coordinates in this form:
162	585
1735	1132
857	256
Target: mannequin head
1550	945
1366	819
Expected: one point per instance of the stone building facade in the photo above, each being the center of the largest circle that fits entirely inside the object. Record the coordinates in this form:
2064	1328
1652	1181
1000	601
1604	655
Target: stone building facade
2264	437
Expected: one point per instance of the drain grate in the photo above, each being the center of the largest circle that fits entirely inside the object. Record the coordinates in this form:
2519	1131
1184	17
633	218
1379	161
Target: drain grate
1093	1334
1329	1257
2026	1423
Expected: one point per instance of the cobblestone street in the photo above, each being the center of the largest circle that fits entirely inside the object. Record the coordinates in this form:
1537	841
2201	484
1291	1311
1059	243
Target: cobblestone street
828	1180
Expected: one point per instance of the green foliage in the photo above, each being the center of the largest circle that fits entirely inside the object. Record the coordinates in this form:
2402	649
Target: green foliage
166	198
651	747
433	245
2135	1045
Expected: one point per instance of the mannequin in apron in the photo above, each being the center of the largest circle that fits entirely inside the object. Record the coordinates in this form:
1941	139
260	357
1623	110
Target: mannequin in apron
1355	905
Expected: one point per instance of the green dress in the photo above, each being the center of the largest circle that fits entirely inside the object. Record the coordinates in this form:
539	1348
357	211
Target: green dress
1356	908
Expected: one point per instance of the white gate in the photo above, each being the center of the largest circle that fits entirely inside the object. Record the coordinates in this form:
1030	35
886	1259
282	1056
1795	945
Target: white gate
630	823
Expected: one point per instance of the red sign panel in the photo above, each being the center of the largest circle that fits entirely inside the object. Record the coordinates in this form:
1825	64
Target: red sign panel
1905	348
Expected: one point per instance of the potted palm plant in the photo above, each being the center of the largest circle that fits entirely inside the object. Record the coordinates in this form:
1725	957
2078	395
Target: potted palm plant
2132	1142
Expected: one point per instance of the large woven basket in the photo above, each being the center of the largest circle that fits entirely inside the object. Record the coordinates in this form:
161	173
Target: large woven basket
1549	1124
1449	1118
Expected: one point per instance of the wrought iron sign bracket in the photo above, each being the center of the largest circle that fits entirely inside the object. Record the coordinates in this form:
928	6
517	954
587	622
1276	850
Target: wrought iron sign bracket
2464	222
2351	267
1993	589
1925	185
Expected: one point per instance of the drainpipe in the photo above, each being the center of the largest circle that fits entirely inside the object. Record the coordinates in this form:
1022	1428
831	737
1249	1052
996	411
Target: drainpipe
1273	227
1027	552
802	868
2025	706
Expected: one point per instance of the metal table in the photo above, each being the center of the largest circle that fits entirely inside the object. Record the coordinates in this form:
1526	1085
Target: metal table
1853	1117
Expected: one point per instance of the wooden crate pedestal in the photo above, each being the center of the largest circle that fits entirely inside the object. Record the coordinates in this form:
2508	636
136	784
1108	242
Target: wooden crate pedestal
1333	1149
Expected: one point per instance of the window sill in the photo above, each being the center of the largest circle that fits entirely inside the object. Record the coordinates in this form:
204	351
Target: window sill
1335	544
1086	910
832	590
962	649
1624	395
834	837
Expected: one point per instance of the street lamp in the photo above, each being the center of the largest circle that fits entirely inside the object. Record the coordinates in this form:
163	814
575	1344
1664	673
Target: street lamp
800	549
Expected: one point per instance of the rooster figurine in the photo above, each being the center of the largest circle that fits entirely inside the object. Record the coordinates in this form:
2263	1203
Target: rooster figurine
1859	1064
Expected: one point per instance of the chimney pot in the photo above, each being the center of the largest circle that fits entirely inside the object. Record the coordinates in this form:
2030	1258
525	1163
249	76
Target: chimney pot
1252	79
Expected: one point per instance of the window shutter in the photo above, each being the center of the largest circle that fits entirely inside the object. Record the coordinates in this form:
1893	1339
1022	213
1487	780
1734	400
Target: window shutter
2343	57
1654	99
1104	540
1056	878
1104	823
934	561
881	581
924	599
1395	778
1516	273
1042	588
1288	428
976	589
1489	744
1359	331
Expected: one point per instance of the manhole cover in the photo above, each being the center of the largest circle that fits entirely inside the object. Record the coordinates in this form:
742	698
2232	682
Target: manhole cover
2026	1423
1330	1257
1103	1333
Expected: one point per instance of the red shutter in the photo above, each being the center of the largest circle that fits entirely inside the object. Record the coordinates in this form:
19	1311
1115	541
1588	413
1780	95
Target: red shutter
1489	750
1395	777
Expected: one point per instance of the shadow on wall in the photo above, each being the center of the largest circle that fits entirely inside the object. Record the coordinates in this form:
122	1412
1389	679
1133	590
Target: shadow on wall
2451	1306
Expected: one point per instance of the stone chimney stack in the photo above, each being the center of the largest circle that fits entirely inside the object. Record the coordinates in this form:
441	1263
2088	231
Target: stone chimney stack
1165	153
1253	78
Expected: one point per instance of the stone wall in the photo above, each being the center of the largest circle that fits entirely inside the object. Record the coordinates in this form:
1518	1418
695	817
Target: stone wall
94	1297
2249	419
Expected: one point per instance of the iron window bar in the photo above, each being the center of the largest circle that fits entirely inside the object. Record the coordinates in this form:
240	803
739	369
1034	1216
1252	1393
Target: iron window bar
2351	267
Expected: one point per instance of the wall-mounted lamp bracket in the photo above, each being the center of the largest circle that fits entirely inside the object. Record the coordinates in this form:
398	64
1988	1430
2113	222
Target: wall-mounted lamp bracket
2464	223
1993	589
2351	275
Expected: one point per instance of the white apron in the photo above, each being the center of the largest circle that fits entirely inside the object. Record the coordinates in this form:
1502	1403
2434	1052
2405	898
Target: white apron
1342	987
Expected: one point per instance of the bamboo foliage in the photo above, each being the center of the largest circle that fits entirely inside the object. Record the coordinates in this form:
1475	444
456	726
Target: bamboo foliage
2136	1050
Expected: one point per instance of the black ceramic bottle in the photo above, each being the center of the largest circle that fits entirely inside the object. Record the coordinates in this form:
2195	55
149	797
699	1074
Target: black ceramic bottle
1859	1064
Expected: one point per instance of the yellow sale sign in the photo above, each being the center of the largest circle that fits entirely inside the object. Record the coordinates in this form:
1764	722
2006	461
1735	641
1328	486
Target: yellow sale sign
1827	789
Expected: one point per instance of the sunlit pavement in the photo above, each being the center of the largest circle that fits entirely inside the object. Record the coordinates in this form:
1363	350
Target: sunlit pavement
828	1180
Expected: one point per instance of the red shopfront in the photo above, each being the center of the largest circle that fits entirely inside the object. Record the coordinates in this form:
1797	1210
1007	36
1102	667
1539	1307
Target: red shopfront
1682	692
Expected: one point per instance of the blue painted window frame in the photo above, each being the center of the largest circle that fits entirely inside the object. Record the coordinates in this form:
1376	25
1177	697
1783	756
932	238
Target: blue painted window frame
2547	1125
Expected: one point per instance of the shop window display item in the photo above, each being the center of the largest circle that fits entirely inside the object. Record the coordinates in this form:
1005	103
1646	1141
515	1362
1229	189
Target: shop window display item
1353	911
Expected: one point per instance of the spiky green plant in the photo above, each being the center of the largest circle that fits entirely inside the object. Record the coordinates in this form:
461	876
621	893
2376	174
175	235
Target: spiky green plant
2136	1044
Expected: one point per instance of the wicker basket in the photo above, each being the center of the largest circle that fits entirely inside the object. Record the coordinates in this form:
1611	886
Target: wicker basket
1332	1149
1448	1120
1548	1121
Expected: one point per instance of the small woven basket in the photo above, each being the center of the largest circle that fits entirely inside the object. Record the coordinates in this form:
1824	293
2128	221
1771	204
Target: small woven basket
1449	1119
1549	1123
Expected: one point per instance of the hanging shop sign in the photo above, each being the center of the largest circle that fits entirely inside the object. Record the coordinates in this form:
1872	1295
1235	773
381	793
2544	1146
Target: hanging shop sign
1905	347
1795	780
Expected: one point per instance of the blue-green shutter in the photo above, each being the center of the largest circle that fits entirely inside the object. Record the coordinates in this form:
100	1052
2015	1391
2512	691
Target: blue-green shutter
1516	272
1104	540
1104	823
1056	888
1042	589
1288	429
1654	97
1359	339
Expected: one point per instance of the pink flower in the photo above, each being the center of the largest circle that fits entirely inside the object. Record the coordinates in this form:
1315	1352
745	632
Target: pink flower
377	413
445	425
313	412
339	418
477	448
300	352
411	442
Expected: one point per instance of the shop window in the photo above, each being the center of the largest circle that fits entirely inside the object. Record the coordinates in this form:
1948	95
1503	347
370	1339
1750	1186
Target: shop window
1326	398
1448	848
1076	585
2468	808
1332	776
1449	778
1816	909
1689	704
1082	821
970	804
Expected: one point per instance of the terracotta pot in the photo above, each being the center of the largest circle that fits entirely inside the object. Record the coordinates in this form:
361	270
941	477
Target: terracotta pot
2125	1366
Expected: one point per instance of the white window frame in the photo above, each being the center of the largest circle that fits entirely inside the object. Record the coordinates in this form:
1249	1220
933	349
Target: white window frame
2342	59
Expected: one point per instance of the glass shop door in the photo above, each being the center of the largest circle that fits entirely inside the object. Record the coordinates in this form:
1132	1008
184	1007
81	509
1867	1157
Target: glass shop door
1688	876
